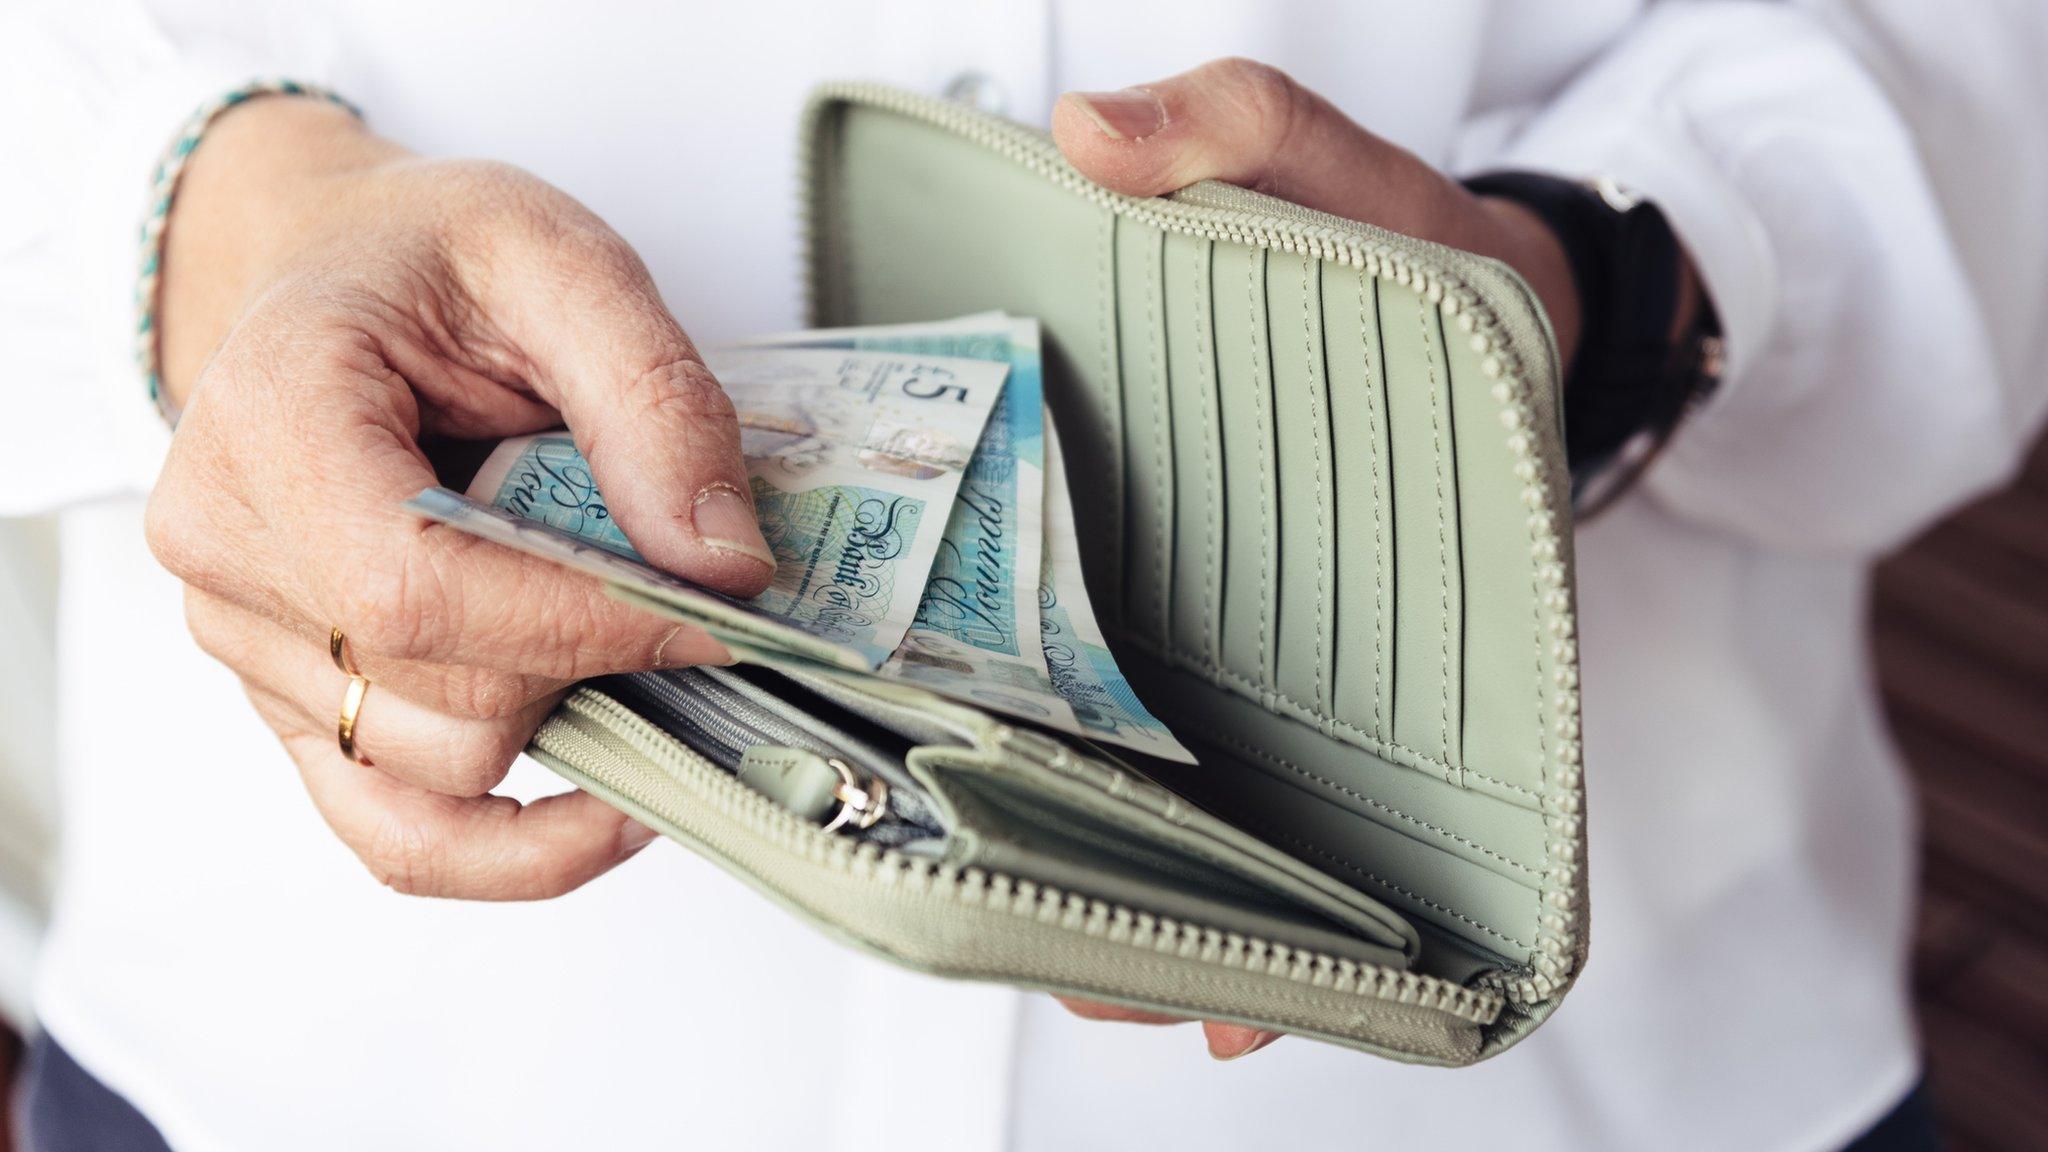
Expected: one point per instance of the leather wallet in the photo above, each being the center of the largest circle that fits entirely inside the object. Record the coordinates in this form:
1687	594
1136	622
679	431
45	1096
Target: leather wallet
1324	515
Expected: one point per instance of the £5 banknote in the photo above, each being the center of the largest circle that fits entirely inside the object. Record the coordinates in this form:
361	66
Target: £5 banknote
855	459
976	634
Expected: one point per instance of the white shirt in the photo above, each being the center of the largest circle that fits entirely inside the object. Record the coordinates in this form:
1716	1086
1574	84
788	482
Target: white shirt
222	960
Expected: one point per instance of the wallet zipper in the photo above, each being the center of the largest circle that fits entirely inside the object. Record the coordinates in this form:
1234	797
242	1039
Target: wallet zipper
1210	210
676	789
1439	275
723	738
731	721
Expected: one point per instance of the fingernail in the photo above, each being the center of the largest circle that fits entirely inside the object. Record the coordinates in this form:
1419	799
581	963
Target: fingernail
669	651
634	836
684	646
724	519
1127	114
1234	1048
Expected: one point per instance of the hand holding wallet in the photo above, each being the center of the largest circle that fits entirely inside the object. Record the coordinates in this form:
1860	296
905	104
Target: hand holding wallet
1321	503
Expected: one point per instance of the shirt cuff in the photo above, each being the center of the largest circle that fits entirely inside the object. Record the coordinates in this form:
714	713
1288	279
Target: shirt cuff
111	90
1651	151
143	125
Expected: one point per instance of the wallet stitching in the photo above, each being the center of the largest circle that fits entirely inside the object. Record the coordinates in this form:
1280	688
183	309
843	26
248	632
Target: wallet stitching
1252	267
1372	462
1390	264
1105	313
1312	1005
1390	886
1205	360
1422	900
1279	761
1536	643
842	246
1161	472
1443	569
1315	422
1372	979
1349	733
1457	524
1201	852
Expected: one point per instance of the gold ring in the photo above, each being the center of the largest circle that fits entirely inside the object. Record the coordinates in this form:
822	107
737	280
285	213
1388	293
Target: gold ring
351	708
337	648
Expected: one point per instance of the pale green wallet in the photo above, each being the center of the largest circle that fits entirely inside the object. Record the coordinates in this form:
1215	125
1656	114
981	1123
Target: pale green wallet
1324	512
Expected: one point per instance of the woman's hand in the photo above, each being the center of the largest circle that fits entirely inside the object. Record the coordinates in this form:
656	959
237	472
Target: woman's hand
1250	125
1247	124
329	301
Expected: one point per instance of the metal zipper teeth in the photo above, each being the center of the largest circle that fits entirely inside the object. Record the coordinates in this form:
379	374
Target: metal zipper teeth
726	734
735	721
1420	268
770	717
719	723
978	887
1280	226
778	725
722	709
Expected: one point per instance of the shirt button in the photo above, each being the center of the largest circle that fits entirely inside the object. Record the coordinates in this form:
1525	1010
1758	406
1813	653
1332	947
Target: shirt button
977	90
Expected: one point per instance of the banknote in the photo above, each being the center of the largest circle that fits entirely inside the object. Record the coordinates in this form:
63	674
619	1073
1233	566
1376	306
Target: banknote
1083	671
855	458
730	621
965	637
976	633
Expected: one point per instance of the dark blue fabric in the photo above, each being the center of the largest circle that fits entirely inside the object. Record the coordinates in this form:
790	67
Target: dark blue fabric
66	1109
1910	1127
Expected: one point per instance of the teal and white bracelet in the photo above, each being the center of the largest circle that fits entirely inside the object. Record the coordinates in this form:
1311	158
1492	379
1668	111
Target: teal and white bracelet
163	188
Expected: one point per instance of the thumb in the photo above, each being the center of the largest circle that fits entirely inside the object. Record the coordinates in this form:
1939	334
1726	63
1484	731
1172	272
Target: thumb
661	436
1248	124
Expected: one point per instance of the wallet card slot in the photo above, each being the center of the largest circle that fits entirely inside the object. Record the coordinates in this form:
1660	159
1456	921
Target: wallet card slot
1308	563
1429	640
1157	825
1044	793
1148	553
1472	863
1251	488
1367	604
1422	727
937	916
1509	676
1025	833
1476	903
1195	438
1106	575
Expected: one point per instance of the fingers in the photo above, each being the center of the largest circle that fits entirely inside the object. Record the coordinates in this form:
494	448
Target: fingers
1247	124
660	433
309	529
1094	1010
433	750
1230	1041
473	848
420	818
1226	1041
422	843
426	593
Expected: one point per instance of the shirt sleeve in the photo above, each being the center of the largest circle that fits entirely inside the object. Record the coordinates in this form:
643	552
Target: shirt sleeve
1868	389
100	90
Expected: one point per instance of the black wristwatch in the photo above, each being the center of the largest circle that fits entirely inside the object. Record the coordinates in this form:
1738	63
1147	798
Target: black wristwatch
1630	382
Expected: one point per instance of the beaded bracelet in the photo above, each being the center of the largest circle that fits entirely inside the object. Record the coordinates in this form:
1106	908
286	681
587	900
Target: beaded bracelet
163	188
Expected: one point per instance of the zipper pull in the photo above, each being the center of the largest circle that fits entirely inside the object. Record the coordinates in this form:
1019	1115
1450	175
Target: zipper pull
811	785
863	802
